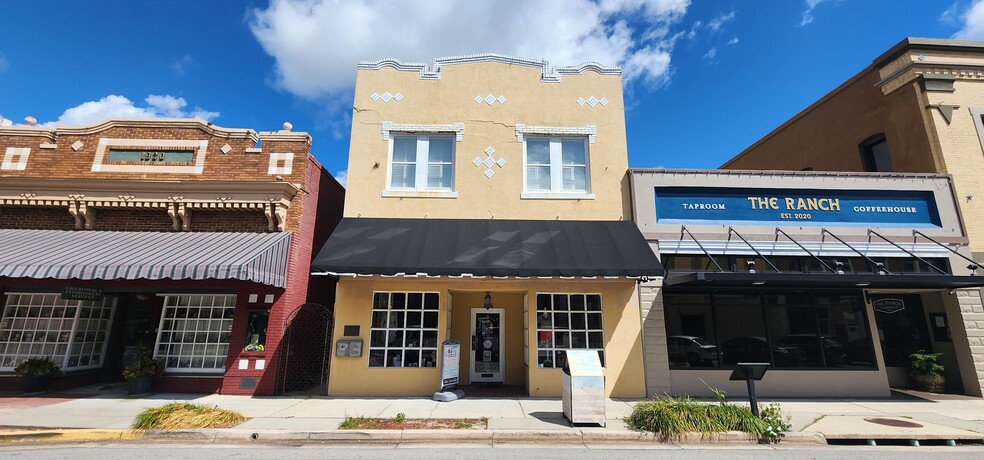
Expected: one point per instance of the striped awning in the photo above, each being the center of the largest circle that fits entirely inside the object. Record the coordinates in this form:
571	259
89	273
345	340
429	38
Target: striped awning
95	255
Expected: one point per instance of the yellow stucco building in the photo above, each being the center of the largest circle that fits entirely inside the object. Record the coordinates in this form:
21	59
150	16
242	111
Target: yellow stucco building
487	203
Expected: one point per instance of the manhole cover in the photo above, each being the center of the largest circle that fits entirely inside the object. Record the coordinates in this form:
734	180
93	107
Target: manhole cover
893	422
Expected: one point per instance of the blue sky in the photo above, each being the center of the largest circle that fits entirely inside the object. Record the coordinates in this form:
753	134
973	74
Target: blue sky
703	79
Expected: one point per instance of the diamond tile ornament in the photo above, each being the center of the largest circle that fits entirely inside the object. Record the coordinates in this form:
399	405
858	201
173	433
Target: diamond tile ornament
226	148
603	101
386	96
489	173
501	162
591	101
490	99
77	146
580	101
489	150
489	162
477	161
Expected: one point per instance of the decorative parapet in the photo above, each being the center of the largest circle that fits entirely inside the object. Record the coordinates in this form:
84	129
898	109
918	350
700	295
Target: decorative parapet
433	72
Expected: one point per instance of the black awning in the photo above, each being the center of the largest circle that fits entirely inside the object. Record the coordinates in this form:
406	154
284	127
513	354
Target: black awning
821	280
452	247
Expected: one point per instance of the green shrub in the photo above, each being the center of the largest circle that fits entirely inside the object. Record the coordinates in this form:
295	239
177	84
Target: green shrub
37	367
922	363
144	365
669	417
776	424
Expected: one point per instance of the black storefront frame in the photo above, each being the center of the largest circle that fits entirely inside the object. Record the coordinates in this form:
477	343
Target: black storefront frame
762	292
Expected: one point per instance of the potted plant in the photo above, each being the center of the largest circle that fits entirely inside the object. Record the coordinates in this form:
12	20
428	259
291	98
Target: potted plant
926	371
142	372
37	373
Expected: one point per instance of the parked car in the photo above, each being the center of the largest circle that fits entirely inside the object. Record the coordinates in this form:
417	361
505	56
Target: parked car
692	350
754	349
807	347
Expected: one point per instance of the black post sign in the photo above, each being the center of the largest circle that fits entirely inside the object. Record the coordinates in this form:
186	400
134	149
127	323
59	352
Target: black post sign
81	293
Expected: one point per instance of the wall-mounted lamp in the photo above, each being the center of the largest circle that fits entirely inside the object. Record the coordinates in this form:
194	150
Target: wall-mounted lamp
839	267
488	300
880	269
973	269
751	266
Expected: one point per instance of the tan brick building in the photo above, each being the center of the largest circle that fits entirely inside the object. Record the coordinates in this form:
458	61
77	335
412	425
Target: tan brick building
916	109
183	236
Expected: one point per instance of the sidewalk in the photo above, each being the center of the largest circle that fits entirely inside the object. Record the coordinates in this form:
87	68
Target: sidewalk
105	413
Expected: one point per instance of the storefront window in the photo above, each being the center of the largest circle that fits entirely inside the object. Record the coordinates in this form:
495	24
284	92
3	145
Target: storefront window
403	332
71	332
566	321
194	332
804	330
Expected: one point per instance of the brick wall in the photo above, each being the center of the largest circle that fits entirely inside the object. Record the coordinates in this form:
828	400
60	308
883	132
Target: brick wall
36	218
218	221
969	326
657	360
133	220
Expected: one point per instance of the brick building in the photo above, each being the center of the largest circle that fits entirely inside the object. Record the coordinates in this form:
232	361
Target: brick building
916	109
174	234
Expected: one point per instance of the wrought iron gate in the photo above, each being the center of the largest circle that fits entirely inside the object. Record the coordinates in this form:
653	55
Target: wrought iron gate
305	351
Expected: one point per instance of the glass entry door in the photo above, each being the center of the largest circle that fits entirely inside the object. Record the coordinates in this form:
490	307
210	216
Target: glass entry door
487	348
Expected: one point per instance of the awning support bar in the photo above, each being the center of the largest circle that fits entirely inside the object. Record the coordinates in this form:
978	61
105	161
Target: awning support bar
779	230
879	266
683	228
732	230
872	232
917	232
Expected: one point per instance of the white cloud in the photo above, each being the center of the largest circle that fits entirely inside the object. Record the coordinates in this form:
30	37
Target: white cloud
114	106
694	29
733	41
972	22
317	43
342	177
718	22
711	54
182	65
808	14
4	65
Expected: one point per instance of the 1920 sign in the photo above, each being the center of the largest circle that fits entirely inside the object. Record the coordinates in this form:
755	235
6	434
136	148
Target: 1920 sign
81	293
151	156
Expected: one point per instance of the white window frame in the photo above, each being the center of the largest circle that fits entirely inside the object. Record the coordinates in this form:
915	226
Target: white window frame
420	188
553	331
404	328
557	191
66	344
222	321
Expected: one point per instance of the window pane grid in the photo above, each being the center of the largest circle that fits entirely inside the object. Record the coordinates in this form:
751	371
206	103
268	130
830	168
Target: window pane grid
195	331
567	321
433	156
403	329
71	332
564	170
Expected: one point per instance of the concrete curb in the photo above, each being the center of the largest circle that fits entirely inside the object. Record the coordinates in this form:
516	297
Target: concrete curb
393	437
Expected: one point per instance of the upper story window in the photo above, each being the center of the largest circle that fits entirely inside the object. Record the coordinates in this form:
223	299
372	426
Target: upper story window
422	163
557	165
874	154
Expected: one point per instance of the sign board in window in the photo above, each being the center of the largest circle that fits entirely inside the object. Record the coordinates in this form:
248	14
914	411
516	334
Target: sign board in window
733	205
888	306
81	293
151	156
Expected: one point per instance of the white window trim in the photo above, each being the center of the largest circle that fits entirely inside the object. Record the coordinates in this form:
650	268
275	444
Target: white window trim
557	191
105	144
368	348
160	331
553	331
423	150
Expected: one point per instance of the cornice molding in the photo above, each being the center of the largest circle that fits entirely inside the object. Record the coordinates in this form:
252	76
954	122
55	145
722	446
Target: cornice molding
433	72
286	136
114	187
194	123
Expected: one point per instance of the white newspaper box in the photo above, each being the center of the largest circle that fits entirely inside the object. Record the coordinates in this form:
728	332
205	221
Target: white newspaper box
584	387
